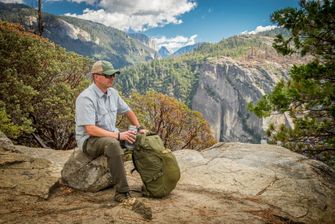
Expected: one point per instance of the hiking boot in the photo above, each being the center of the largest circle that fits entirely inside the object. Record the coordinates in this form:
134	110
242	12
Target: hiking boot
142	209
132	203
122	196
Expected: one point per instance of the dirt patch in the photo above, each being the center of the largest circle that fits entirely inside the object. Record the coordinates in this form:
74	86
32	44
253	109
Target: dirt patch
184	205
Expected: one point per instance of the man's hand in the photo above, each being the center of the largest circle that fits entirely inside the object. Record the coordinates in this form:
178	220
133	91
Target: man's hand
129	136
143	131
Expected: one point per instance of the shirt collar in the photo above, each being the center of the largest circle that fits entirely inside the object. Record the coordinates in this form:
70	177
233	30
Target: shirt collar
99	92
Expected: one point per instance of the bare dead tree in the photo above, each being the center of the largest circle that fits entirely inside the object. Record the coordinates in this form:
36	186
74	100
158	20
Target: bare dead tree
39	19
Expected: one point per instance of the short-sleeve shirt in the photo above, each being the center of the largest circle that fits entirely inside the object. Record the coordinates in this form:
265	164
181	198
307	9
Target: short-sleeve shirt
94	107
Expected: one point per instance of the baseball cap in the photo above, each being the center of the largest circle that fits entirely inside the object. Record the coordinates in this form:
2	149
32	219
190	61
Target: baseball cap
104	67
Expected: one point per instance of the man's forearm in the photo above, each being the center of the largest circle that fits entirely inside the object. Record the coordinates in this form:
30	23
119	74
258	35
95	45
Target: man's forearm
96	131
132	118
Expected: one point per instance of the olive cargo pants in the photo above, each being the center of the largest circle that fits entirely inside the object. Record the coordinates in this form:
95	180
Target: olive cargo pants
111	148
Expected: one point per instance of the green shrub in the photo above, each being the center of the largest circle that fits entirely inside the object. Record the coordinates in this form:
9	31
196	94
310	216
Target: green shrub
38	87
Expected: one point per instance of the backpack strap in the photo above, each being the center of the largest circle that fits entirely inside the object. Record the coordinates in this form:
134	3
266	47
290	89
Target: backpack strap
139	138
155	177
135	168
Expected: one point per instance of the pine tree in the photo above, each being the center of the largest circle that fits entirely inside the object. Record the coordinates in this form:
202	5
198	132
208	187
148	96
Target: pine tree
309	94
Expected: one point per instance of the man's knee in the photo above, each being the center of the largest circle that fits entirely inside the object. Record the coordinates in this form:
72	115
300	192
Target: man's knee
112	148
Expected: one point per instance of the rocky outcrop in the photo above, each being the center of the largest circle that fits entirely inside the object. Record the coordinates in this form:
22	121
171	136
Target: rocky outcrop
6	143
303	189
83	173
227	183
24	174
225	88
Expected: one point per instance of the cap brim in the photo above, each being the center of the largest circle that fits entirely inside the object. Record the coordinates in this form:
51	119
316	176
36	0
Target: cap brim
112	72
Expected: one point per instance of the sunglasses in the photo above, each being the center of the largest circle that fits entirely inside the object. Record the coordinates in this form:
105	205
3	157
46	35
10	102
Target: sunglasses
106	76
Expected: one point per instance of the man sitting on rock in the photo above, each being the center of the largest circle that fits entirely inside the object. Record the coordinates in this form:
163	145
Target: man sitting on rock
96	134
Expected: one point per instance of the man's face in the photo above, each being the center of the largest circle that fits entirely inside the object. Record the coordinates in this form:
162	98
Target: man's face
104	81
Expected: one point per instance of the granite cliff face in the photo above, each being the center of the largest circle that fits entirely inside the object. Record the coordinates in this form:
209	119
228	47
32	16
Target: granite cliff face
144	39
224	89
219	80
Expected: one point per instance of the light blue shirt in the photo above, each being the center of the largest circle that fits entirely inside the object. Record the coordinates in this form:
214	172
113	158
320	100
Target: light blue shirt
93	107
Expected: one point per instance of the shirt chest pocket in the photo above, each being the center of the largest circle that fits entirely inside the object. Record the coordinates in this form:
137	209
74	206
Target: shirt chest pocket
106	118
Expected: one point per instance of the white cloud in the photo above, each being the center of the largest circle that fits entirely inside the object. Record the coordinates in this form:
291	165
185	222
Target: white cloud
137	15
174	43
11	1
89	2
259	29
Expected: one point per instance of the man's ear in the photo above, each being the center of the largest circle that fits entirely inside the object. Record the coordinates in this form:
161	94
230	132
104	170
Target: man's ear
93	77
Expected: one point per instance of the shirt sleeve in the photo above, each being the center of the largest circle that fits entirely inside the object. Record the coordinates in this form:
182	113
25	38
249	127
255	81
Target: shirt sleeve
122	106
85	111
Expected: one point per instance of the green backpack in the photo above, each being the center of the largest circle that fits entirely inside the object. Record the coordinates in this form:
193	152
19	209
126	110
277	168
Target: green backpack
156	165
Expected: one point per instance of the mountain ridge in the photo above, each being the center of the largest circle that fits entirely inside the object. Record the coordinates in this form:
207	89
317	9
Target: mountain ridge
187	49
84	37
164	52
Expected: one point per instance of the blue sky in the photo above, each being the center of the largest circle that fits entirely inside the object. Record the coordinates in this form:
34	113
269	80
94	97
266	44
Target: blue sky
173	23
213	20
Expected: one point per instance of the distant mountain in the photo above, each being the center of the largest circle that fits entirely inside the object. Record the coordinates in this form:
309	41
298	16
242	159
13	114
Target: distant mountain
187	49
273	33
164	52
143	39
84	37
